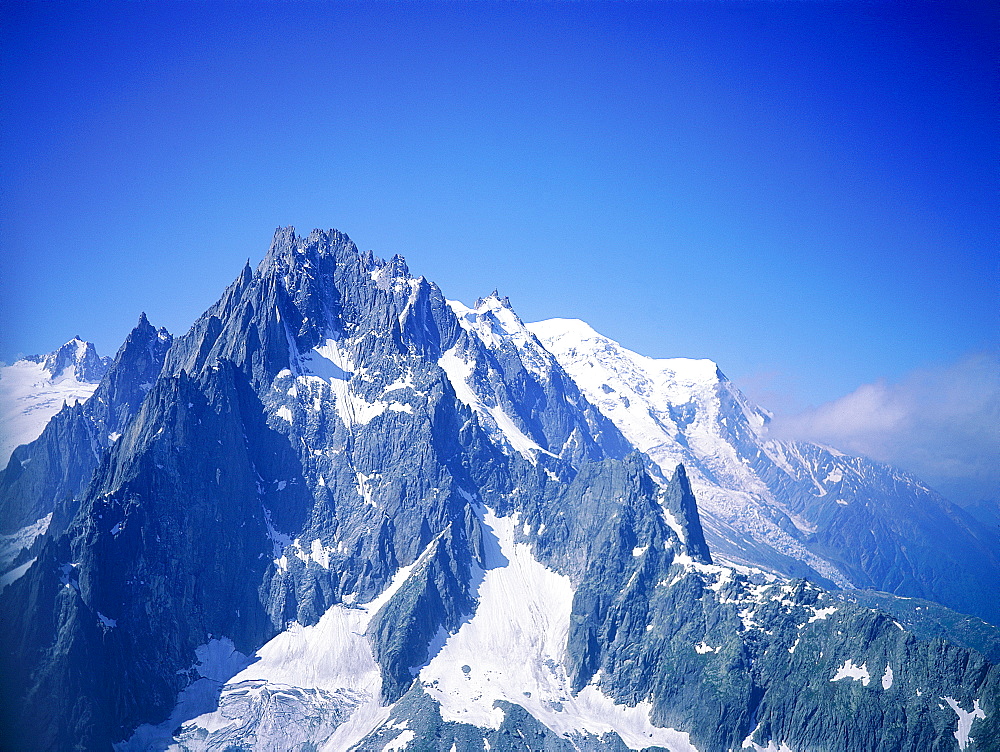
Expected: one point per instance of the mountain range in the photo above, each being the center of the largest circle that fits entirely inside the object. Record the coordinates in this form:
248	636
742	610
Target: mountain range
344	512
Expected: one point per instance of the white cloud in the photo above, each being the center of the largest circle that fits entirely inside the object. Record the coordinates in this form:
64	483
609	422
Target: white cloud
942	424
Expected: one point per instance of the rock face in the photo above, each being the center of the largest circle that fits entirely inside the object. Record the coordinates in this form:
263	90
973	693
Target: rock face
342	512
48	474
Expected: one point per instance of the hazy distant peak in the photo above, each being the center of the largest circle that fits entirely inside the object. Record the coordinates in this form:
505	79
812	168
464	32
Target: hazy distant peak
77	354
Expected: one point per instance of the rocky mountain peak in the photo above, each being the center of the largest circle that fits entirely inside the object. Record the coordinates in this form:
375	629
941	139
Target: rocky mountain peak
78	355
679	501
289	250
493	301
398	266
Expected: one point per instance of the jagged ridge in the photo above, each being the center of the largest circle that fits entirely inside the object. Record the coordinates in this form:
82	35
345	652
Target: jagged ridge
334	451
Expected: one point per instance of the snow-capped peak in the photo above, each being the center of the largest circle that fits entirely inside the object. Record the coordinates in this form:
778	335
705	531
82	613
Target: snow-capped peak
558	329
76	359
570	337
35	388
651	401
493	321
682	411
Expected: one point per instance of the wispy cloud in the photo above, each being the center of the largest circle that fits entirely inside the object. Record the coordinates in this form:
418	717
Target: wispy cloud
942	424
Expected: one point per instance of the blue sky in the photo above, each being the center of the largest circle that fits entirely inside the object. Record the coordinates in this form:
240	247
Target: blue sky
803	191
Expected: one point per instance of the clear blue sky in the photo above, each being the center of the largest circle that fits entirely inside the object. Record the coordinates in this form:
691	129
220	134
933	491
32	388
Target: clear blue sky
805	192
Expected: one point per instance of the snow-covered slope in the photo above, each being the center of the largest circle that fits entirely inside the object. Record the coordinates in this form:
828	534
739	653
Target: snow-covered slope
680	410
774	503
524	610
671	409
501	368
35	388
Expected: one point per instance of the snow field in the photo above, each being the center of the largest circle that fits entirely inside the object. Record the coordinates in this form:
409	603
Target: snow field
513	649
332	655
29	397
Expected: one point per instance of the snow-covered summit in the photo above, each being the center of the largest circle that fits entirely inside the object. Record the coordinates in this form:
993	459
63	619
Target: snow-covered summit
76	359
35	388
571	338
494	321
672	409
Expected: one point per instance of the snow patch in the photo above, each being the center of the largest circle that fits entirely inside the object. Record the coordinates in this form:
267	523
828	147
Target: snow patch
15	574
320	553
524	611
673	524
748	743
403	382
887	677
13	543
278	540
365	488
822	613
215	662
329	364
333	656
400	742
965	719
850	671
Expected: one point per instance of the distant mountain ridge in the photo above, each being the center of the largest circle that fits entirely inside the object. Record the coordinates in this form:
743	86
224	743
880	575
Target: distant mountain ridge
783	504
341	512
34	388
77	355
